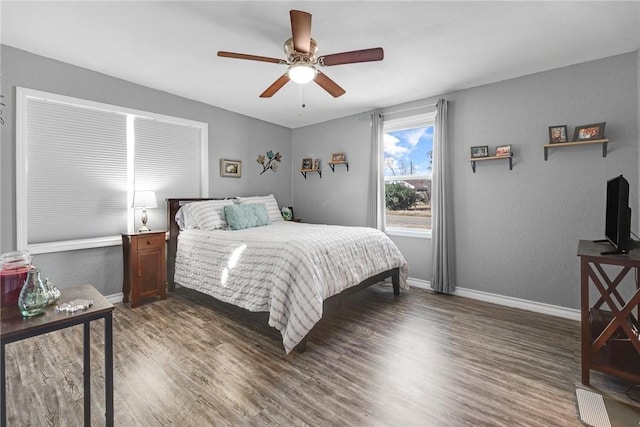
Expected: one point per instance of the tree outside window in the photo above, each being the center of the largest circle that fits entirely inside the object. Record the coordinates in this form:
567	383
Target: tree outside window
408	154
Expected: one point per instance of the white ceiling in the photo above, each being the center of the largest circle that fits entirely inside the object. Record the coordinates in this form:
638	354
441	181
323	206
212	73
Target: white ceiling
431	47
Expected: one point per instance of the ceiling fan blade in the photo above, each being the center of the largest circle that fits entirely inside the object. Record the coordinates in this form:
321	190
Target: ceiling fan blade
329	85
301	30
276	86
250	57
365	55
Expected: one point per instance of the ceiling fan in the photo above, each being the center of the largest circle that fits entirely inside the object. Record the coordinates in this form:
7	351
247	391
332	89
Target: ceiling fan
301	51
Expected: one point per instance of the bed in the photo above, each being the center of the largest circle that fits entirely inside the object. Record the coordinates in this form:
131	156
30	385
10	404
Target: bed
285	268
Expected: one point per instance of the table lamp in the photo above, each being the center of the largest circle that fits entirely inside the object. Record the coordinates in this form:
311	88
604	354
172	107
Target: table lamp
143	200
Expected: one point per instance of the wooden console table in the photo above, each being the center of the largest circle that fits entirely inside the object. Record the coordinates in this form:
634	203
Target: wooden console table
14	328
612	350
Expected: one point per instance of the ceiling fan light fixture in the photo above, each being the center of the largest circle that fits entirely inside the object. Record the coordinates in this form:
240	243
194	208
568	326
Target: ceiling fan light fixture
302	58
302	73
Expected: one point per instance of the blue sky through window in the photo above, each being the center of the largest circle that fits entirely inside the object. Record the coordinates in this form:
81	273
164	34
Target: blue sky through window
406	151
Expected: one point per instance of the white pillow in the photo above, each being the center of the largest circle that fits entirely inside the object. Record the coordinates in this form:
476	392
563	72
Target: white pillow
270	203
183	219
206	215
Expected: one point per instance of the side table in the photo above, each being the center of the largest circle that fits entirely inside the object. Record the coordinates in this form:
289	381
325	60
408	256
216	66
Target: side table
145	266
13	328
613	347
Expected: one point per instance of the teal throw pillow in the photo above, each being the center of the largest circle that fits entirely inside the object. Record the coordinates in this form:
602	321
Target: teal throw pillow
246	216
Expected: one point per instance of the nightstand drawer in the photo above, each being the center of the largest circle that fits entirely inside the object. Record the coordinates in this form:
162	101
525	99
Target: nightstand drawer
150	242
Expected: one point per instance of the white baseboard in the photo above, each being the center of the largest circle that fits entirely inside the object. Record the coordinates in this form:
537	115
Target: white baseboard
419	283
537	307
115	298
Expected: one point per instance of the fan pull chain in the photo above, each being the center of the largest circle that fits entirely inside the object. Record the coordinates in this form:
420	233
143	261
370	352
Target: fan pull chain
302	96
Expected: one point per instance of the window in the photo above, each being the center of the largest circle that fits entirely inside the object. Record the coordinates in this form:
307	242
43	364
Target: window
79	163
408	149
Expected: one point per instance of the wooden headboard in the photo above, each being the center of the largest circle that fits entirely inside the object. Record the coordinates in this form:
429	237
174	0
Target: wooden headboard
172	208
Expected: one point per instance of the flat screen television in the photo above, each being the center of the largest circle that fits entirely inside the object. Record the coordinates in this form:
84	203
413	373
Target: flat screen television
618	216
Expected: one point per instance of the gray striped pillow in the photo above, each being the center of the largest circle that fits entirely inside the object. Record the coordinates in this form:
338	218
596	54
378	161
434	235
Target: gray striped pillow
270	203
209	214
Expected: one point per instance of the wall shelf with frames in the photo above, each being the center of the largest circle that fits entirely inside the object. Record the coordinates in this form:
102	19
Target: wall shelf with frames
332	165
304	172
604	143
477	159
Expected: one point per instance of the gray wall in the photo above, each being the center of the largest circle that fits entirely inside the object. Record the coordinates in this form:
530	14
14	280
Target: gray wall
338	197
516	231
231	136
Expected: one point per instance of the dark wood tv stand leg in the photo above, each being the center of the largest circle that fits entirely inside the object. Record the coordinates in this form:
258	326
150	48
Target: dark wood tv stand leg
598	352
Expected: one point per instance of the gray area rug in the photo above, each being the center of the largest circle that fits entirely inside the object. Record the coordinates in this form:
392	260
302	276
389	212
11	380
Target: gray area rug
597	410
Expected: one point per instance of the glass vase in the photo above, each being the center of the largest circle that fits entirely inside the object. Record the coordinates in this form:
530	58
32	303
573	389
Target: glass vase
53	293
33	296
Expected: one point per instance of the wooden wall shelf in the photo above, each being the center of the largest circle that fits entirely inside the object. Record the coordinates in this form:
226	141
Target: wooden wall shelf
332	165
576	143
478	159
304	172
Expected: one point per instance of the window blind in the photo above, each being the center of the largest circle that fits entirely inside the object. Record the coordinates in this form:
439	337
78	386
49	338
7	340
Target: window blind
79	162
76	161
167	160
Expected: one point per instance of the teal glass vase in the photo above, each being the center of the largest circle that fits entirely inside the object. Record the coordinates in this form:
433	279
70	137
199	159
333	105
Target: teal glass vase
33	297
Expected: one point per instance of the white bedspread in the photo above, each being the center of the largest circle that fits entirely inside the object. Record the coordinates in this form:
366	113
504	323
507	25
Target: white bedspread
287	269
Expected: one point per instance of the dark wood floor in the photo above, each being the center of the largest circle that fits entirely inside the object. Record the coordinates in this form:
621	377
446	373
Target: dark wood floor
419	359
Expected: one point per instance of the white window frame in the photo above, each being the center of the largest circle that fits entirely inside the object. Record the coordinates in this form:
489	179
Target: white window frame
407	122
22	94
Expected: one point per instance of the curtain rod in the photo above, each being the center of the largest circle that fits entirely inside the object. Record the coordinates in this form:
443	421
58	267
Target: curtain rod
367	116
407	109
412	108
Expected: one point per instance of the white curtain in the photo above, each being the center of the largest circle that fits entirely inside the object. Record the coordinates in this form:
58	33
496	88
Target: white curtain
442	230
376	181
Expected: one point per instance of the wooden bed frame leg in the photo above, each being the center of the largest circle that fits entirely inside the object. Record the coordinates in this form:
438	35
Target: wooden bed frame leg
171	269
395	280
302	346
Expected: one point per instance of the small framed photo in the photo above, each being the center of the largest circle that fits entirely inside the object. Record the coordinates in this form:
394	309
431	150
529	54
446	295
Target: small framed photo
232	168
558	134
503	151
479	151
587	132
287	213
316	164
338	158
306	164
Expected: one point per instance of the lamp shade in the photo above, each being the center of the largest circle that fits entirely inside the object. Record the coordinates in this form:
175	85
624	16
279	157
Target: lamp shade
302	73
145	199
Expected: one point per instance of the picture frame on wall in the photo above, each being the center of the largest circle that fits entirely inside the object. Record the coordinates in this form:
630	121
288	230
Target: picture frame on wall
589	132
338	158
558	134
306	164
479	151
503	151
231	168
316	164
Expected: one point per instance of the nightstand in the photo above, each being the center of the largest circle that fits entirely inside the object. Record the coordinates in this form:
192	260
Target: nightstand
145	271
